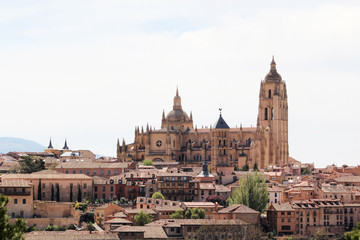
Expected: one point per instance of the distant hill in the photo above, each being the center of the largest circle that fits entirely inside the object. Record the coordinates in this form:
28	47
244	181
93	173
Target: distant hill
9	144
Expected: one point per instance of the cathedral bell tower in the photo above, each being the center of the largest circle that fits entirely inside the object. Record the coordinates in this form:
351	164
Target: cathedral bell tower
272	128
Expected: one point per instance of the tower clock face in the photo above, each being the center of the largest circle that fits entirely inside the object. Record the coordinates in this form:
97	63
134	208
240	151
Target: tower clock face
158	143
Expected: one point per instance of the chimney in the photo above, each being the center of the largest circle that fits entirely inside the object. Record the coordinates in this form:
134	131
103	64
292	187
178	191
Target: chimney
216	207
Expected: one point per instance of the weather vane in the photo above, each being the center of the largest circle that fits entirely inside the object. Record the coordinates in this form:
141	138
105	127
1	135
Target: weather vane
220	109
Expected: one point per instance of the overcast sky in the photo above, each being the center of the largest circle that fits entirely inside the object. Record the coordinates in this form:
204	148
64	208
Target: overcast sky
90	71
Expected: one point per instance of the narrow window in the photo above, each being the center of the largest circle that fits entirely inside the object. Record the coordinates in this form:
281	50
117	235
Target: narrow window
272	113
266	114
269	93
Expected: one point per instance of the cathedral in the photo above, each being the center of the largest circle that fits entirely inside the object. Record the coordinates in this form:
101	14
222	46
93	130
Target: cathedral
222	146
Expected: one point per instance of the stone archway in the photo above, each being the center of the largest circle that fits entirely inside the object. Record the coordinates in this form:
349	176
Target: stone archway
158	160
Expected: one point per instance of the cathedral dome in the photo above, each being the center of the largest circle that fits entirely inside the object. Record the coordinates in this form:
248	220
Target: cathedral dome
273	75
177	115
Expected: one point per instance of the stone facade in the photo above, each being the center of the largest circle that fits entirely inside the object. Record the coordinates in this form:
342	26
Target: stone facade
178	140
20	197
62	183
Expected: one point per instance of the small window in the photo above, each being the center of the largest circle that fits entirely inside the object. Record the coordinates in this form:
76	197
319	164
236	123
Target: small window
15	201
24	201
269	93
266	114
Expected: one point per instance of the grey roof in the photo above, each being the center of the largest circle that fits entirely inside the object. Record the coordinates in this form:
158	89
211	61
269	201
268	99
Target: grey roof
220	123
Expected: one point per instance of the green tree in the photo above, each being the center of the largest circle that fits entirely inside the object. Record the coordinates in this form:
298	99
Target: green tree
148	163
305	172
10	231
354	234
57	192
195	213
158	195
245	168
87	217
29	164
178	214
52	192
320	235
90	227
79	197
71	192
255	167
252	192
142	218
39	190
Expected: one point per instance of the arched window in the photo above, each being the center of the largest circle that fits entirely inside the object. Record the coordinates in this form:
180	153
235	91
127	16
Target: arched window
224	142
219	141
269	93
266	114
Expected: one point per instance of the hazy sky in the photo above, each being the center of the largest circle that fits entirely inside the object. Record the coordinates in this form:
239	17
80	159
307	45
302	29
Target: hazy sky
90	71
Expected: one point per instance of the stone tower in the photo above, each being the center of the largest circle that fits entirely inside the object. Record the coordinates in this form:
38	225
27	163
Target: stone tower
271	142
220	143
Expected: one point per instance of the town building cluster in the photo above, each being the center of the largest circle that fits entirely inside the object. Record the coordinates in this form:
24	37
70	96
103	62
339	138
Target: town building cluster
192	169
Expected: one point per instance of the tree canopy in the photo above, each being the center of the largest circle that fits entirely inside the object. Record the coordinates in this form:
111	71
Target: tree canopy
158	195
148	162
354	234
178	214
142	218
252	192
7	230
29	164
195	213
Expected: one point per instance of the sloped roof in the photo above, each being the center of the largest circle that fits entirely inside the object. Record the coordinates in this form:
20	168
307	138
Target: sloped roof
70	234
221	124
149	231
238	208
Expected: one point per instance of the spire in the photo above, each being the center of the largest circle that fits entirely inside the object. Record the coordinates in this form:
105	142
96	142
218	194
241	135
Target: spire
147	127
142	129
273	64
205	167
191	116
273	74
240	126
177	100
220	123
118	149
163	115
65	146
50	145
